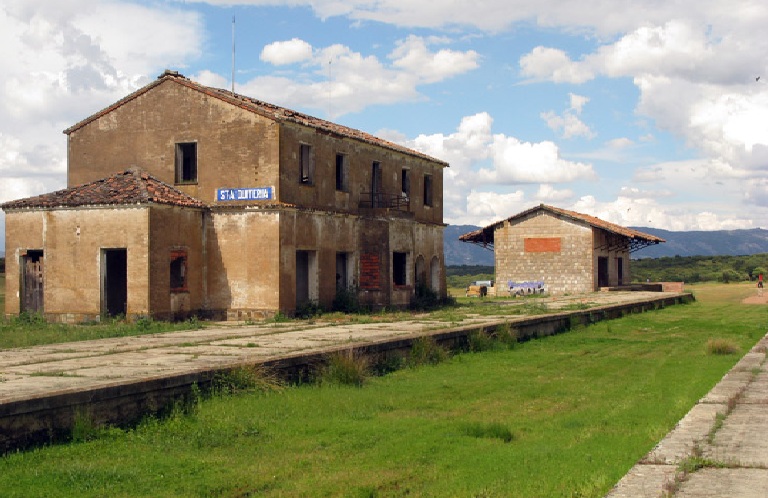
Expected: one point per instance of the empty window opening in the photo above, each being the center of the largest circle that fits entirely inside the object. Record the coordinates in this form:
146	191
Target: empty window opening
376	187
405	182
427	190
399	268
306	166
341	172
114	282
186	162
178	271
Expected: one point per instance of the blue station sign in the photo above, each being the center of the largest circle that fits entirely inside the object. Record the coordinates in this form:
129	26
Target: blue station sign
245	194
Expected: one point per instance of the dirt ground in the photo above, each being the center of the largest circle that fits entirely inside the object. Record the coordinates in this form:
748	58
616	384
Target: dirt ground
759	297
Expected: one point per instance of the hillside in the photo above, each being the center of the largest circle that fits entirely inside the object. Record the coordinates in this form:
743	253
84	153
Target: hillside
459	253
693	243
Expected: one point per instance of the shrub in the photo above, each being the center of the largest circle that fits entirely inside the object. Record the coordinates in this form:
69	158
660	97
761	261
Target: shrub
722	346
309	309
492	430
346	301
246	378
424	298
507	335
347	368
425	351
480	340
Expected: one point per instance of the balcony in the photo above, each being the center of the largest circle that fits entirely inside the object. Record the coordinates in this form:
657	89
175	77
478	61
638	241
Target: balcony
383	200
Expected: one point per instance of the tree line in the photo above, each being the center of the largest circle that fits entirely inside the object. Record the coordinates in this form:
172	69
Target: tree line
700	268
690	269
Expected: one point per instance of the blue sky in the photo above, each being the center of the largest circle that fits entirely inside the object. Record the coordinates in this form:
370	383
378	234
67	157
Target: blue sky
642	113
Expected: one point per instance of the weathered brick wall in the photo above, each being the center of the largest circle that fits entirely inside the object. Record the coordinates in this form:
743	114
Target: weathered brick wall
72	241
564	269
235	148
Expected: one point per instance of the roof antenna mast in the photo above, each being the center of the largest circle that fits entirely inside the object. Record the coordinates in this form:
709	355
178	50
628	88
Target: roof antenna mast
233	53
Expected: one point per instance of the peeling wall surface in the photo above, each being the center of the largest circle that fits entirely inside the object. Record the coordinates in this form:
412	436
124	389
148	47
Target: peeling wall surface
73	243
336	210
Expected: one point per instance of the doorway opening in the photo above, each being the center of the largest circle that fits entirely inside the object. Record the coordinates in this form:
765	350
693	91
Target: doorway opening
32	282
602	271
114	282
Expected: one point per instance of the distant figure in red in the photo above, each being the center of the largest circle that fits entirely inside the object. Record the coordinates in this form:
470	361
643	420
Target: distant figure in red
760	281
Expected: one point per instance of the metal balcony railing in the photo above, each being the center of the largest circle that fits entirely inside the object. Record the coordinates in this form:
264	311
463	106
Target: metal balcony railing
383	200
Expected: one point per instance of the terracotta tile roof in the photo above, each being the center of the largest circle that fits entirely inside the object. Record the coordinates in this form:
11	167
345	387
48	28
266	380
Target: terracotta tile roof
133	186
280	114
485	235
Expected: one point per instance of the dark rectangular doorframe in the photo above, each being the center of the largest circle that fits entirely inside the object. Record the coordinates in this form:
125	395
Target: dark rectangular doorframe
114	282
32	282
602	272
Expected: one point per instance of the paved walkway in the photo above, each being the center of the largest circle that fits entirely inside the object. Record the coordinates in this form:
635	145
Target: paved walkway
725	434
53	369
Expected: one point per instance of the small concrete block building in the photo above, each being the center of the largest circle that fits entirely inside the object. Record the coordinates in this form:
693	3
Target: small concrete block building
185	199
568	251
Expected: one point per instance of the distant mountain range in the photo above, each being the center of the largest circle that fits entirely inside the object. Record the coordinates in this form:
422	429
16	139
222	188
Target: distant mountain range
698	243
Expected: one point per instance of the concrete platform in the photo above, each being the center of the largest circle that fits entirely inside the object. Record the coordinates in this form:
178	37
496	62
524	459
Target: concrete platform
44	389
734	452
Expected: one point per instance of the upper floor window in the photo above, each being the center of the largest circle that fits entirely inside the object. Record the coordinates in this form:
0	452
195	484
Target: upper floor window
306	165
427	190
405	182
186	162
342	172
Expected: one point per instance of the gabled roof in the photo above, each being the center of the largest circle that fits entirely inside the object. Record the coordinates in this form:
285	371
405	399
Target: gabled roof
271	111
133	186
484	236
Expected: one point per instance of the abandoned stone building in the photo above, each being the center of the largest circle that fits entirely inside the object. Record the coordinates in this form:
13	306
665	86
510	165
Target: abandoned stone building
184	199
563	251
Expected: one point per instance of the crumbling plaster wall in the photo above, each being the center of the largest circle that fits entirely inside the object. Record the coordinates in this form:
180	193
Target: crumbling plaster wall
235	148
242	253
322	193
72	241
175	228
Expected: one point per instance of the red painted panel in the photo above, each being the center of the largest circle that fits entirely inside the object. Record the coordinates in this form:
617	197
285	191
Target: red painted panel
542	244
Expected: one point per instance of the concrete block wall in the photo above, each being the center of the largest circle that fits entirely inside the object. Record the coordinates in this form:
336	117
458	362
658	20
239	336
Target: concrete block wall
564	263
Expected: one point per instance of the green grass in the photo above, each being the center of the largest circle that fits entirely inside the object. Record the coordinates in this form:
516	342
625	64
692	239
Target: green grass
566	415
32	330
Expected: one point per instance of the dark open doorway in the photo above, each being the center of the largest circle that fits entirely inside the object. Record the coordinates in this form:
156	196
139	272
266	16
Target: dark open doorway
602	272
114	281
32	282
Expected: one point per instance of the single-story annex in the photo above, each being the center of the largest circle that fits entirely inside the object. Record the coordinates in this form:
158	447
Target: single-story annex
564	251
186	199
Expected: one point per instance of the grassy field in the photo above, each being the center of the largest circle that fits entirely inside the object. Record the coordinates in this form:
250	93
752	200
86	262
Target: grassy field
560	416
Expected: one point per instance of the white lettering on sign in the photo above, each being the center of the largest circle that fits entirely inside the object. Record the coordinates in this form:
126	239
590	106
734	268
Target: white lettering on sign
244	194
